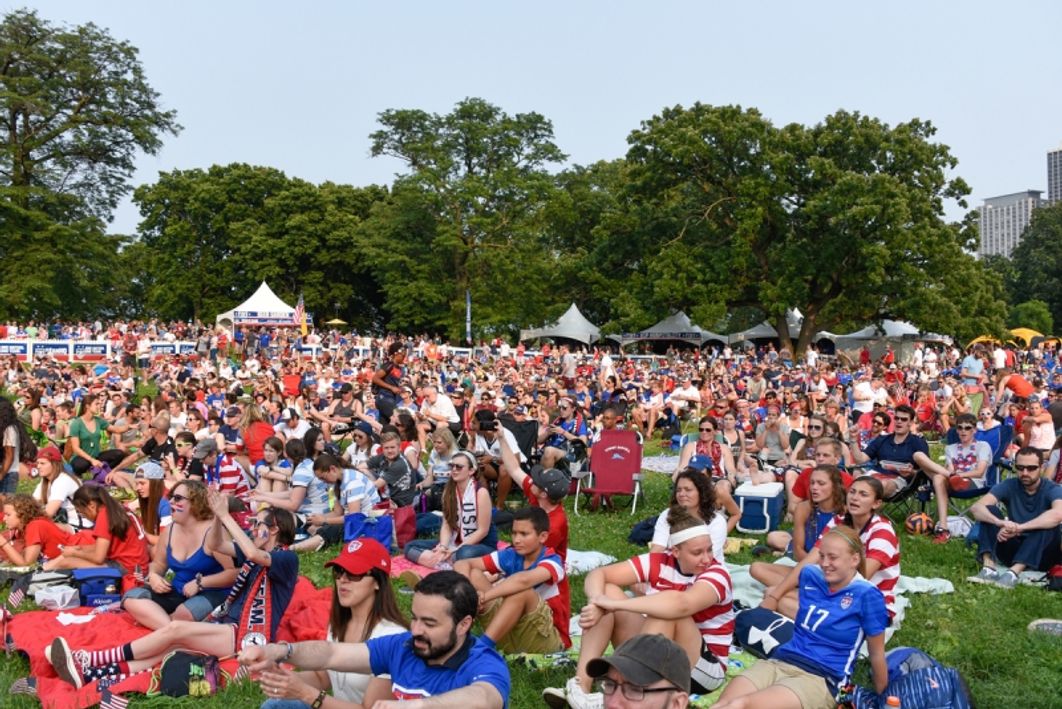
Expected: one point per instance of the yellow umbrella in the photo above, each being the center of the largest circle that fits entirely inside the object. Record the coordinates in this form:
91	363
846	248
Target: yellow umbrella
1025	334
336	321
982	338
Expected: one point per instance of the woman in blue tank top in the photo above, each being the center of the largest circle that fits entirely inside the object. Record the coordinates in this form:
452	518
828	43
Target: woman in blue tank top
826	495
184	582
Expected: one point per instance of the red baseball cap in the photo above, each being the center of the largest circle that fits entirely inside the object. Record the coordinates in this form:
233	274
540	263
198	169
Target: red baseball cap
50	453
359	556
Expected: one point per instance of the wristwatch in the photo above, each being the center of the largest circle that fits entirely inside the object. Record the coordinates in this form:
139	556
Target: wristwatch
320	700
199	583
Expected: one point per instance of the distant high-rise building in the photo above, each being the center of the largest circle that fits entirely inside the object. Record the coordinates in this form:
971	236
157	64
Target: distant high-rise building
1003	221
1054	175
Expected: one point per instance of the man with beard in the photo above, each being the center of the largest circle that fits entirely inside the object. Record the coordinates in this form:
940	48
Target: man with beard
437	658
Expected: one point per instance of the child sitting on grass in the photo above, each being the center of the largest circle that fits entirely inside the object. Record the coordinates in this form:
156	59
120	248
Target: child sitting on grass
523	611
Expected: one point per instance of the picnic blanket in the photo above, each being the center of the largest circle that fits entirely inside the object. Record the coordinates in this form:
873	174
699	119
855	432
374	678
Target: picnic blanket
578	562
30	632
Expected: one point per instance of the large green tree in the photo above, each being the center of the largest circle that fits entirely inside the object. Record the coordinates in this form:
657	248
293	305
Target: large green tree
843	220
76	110
209	236
476	187
1037	260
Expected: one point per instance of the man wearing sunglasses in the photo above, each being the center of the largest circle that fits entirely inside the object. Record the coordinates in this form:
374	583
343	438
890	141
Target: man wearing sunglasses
1028	536
646	671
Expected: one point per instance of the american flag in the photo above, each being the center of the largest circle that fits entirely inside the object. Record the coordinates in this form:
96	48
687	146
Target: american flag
300	315
18	592
112	701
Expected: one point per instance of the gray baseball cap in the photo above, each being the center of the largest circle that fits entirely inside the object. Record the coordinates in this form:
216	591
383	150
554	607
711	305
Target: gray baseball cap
645	659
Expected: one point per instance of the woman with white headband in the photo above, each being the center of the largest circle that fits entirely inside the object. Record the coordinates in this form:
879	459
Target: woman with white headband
689	600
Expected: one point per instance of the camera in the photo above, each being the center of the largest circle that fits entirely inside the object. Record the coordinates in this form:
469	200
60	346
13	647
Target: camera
488	425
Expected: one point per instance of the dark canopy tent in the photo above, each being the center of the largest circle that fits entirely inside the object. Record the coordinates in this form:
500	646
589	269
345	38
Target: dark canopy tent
674	329
573	325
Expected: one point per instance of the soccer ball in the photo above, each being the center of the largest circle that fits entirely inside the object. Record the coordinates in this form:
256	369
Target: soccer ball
918	523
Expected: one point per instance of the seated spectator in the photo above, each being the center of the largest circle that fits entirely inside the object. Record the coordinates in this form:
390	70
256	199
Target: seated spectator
273	471
56	488
1028	536
694	494
485	434
805	672
894	458
523	611
393	475
116	538
566	433
363	607
31	535
85	434
689	601
882	568
353	492
467	530
639	671
827	492
267	570
967	460
184	581
152	503
438	658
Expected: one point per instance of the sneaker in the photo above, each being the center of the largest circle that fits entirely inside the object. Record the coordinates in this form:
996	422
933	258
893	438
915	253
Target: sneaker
573	696
985	575
1008	579
69	665
941	535
1051	626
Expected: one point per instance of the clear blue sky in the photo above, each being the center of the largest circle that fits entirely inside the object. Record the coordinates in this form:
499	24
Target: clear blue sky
297	86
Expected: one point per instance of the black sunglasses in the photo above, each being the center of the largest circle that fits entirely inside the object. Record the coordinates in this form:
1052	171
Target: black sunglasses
177	498
1027	467
338	573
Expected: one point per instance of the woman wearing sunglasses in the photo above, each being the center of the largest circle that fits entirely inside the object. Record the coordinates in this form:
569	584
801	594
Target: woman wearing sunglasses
199	580
363	607
467	530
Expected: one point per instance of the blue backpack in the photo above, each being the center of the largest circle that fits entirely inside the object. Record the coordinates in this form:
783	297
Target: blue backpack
918	681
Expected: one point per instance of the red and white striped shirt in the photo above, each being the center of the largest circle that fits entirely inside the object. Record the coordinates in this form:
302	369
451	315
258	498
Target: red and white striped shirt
716	622
882	545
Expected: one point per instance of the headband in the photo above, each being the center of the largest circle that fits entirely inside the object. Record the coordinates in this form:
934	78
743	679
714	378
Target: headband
676	538
854	543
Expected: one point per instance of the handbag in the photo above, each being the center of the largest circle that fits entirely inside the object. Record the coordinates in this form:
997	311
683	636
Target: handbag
405	525
357	525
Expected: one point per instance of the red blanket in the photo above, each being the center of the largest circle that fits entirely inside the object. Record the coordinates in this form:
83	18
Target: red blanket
31	632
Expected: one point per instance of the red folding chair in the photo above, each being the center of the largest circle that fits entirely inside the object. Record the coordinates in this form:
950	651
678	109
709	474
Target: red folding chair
615	468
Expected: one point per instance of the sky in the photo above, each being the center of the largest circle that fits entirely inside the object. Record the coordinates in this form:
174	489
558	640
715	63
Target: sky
298	86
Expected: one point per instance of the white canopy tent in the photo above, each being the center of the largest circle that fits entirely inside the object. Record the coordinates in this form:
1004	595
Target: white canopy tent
901	335
765	331
262	308
674	327
573	325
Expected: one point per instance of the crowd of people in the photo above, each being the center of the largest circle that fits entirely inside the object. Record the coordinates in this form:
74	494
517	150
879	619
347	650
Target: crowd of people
247	452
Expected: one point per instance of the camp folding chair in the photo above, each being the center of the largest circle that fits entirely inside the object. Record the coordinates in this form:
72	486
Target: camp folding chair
526	435
615	468
999	438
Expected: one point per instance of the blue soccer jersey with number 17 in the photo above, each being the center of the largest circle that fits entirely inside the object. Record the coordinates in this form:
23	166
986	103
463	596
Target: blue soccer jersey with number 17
830	627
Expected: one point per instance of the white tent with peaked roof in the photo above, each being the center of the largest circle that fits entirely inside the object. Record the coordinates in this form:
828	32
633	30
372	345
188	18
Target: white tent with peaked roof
262	308
573	325
674	327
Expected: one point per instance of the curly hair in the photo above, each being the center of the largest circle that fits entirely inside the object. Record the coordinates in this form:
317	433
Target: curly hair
196	492
26	507
705	490
8	418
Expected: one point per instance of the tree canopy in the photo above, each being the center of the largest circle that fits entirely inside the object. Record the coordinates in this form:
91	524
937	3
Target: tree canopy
77	109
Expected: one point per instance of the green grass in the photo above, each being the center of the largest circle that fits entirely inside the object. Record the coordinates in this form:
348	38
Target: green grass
978	629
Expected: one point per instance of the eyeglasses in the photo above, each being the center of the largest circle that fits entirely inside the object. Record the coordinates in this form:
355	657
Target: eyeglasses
182	445
456	466
633	692
338	573
965	427
902	419
259	523
177	498
878	423
1027	468
814	428
707	430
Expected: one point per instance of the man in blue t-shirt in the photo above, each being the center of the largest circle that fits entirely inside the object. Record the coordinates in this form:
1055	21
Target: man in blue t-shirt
1028	537
437	657
895	459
